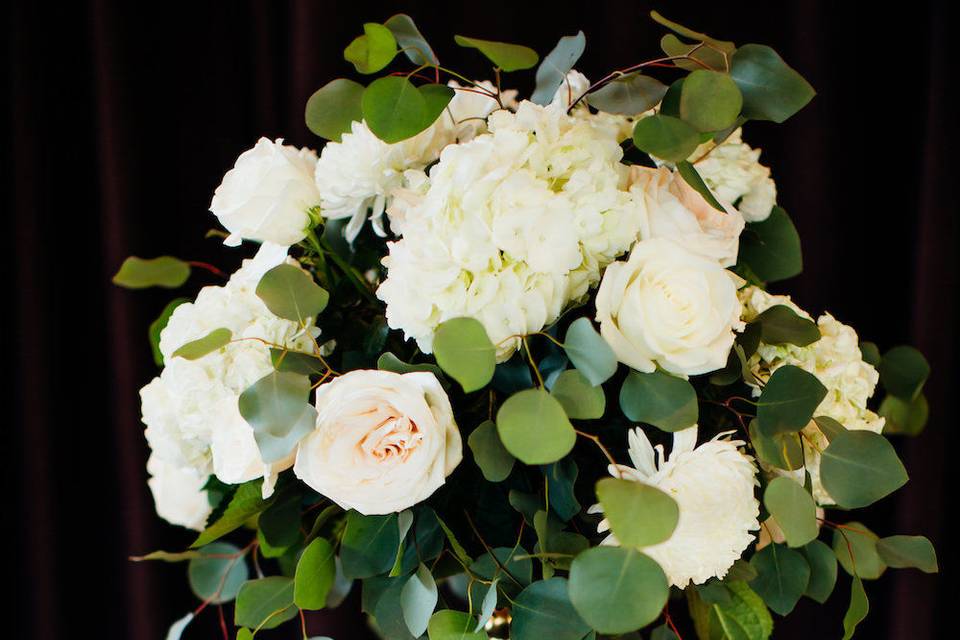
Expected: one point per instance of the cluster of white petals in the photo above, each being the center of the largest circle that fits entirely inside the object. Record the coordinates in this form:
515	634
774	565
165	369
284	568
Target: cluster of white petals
713	485
358	176
733	172
835	359
190	410
509	227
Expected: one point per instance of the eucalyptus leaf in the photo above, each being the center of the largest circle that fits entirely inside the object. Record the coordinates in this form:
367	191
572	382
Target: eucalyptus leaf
159	325
903	552
856	549
906	418
903	372
412	42
200	347
788	400
418	600
395	109
860	467
782	325
139	273
823	571
665	401
829	427
580	399
771	249
217	575
333	108
507	57
589	352
710	100
783	450
534	427
640	515
692	178
491	456
369	544
794	510
245	503
628	95
771	89
555	66
665	137
782	577
265	603
448	624
465	353
315	574
543	610
372	51
390	362
277	409
857	610
700	54
289	292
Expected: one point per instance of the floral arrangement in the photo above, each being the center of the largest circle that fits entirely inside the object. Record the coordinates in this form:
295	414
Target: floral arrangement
510	367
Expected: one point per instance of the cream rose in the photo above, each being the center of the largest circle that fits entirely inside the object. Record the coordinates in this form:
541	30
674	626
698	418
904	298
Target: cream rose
265	197
677	212
383	442
668	307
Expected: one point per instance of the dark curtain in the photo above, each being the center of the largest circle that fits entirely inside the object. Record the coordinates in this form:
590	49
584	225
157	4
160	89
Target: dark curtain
122	118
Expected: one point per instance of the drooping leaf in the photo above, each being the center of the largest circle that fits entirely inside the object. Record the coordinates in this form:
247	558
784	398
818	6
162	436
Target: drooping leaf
771	89
783	450
860	467
660	399
372	51
788	400
858	609
200	347
580	399
245	503
782	325
903	552
823	571
710	100
640	515
692	178
140	273
508	57
782	576
389	612
411	41
794	510
904	418
369	544
628	95
278	410
418	600
903	372
491	456
856	549
543	610
333	108
159	325
265	603
390	362
589	352
561	479
166	556
216	576
448	624
771	249
617	590
534	428
465	353
487	605
555	66
665	137
315	574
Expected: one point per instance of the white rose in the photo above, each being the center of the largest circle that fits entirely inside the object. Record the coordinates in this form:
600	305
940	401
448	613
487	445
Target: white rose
383	442
178	494
677	212
668	307
265	197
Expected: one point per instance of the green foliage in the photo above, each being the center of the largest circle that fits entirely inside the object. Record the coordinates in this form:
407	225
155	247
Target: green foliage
265	603
782	325
418	599
904	552
823	571
139	273
692	178
372	51
771	89
556	64
739	615
712	57
858	609
788	400
665	137
278	410
904	418
390	362
543	610
782	576
640	515
794	510
660	399
279	523
448	624
217	575
859	468
782	450
507	57
245	503
686	32
870	353
315	574
491	456
903	372
771	249
628	95
534	428
617	590
333	108
298	362
589	352
414	45
465	353
395	109
580	399
856	549
200	347
369	544
561	479
709	100
159	325
289	292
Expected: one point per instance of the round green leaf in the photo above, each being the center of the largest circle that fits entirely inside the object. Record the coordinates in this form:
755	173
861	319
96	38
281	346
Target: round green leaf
394	109
710	100
794	510
418	599
372	51
589	352
903	372
788	400
369	544
508	57
640	515
781	325
436	97
218	573
617	590
140	273
856	549
771	249
665	137
543	610
580	399
289	292
782	577
771	89
333	108
491	456
314	576
556	65
903	552
907	418
453	625
265	603
628	95
414	45
465	353
534	428
860	467
823	571
276	407
660	399
870	353
202	346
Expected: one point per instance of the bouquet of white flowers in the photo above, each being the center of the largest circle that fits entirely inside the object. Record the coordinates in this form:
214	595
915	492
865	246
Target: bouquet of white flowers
474	326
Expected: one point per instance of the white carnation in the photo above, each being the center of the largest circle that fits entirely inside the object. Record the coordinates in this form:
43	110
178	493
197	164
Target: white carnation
733	172
509	227
835	359
178	494
713	485
358	176
190	410
267	194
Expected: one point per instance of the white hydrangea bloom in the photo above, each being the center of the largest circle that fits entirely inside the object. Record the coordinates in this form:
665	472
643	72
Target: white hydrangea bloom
190	410
713	484
835	360
358	176
574	85
509	227
178	493
733	171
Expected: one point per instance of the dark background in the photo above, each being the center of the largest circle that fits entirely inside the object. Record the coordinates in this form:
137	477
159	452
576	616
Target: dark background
124	116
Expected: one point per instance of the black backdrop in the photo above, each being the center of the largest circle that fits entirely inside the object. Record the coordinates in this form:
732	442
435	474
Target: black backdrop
124	117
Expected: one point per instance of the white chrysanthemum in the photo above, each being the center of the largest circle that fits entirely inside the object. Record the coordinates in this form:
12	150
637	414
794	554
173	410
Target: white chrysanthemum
835	359
713	484
733	172
358	175
190	410
178	494
509	227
